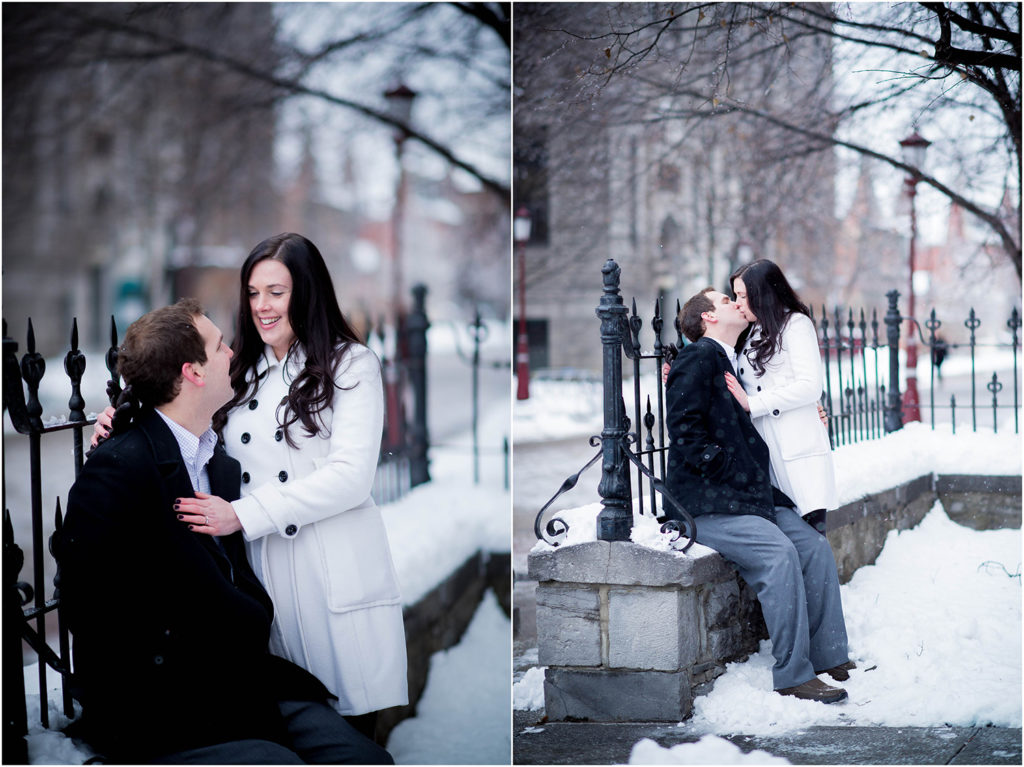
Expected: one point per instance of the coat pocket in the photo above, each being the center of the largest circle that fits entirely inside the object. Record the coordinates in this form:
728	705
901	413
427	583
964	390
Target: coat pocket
356	561
798	433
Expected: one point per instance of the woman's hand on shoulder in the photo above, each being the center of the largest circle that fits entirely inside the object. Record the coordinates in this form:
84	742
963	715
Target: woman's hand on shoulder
101	429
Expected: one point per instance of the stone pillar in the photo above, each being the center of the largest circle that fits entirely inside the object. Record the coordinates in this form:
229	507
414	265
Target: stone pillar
628	632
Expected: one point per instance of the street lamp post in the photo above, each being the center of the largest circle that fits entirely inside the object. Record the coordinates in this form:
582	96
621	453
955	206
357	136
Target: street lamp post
399	101
521	234
913	148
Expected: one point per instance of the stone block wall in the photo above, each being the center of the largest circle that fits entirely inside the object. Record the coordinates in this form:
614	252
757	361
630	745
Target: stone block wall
629	633
981	503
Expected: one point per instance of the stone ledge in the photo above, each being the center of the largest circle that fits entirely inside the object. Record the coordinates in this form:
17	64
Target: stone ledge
981	503
623	563
976	483
617	696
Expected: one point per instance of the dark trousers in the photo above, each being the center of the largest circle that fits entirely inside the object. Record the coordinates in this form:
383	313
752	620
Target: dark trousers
793	571
317	734
365	724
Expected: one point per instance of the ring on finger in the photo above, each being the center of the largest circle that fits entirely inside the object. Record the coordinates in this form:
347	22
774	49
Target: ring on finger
206	521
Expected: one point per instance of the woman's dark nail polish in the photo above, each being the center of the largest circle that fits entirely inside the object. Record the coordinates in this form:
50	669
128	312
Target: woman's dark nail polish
181	516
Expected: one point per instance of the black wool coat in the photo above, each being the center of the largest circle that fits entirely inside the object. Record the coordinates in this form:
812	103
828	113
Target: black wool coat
169	632
717	462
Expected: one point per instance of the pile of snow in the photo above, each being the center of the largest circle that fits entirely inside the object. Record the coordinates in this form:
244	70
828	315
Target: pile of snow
916	450
50	746
934	627
464	714
708	750
528	692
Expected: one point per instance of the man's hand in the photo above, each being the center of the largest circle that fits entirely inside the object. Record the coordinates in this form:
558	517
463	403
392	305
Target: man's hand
736	388
102	426
664	372
207	514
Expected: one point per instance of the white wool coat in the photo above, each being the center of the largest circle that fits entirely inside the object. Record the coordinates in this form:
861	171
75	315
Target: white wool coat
784	409
315	537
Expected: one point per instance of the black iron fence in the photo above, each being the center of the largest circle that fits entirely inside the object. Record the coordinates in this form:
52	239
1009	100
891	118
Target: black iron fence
32	619
479	331
404	463
863	396
866	387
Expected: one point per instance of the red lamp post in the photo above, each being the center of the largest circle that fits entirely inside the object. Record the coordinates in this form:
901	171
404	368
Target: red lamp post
521	234
913	148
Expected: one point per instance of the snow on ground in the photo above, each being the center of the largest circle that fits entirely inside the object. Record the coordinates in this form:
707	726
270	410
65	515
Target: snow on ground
465	714
558	409
710	749
937	619
528	692
50	746
440	524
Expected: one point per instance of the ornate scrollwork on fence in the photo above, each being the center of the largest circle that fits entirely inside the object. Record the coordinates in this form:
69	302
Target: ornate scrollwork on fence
670	526
554	532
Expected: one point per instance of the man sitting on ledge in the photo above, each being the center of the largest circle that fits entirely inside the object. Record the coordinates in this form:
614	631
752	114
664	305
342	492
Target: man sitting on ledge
171	627
718	467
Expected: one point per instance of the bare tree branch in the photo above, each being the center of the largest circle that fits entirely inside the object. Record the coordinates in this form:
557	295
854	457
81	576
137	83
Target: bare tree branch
290	85
1006	239
495	16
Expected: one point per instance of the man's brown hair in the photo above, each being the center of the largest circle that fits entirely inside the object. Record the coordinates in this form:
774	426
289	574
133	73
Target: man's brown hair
690	315
155	348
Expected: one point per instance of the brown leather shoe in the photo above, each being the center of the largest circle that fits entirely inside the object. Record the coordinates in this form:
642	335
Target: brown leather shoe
840	673
815	689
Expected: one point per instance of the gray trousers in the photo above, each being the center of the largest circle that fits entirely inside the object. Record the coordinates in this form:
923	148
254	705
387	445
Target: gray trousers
793	571
317	735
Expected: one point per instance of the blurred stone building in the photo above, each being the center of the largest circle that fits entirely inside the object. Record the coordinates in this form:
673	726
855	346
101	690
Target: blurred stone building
955	268
635	162
130	168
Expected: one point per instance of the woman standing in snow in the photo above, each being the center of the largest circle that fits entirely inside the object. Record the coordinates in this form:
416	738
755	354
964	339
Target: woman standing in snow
305	423
780	383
